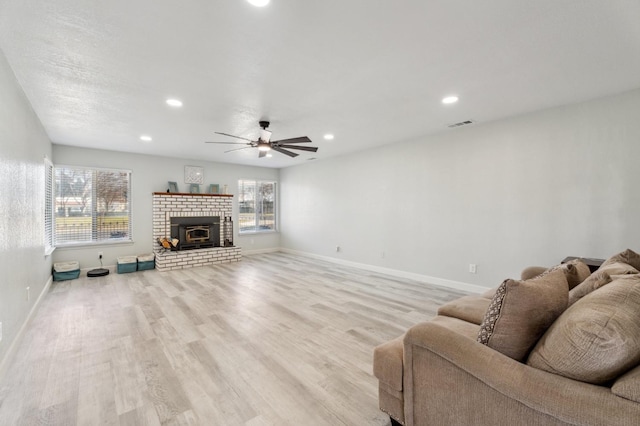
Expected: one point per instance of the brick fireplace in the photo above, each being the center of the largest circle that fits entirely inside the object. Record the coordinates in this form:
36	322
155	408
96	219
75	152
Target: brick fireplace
168	206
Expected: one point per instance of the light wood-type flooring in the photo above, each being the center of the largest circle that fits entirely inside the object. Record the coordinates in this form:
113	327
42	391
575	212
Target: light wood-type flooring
275	339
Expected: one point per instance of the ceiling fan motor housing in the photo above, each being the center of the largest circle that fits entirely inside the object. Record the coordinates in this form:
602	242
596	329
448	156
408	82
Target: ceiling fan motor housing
264	124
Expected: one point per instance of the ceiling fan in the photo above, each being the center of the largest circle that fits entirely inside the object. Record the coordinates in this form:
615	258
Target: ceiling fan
265	144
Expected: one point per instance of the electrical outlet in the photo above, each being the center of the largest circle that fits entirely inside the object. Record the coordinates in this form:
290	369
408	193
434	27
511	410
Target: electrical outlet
28	293
99	255
472	268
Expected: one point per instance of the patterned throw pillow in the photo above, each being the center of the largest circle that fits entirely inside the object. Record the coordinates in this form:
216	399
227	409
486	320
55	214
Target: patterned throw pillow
521	311
492	314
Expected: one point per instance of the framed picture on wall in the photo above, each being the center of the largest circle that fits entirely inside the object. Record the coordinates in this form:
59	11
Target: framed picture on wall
214	188
194	188
173	187
193	174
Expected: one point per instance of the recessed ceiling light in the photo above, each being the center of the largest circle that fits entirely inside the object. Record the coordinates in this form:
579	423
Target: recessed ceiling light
450	100
269	155
174	102
259	3
329	137
146	138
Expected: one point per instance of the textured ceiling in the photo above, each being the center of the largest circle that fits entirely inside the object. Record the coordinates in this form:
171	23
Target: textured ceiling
372	72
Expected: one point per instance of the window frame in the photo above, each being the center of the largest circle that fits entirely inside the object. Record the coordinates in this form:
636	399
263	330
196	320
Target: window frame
94	210
256	228
49	220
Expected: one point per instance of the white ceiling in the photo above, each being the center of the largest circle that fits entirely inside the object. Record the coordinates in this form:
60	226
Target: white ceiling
372	72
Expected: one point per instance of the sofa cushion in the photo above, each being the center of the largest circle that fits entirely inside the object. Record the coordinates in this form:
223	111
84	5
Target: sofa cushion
628	256
467	308
521	311
459	326
489	293
597	338
600	278
387	363
628	385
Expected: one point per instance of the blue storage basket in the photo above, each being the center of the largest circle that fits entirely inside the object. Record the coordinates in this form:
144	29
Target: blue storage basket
127	264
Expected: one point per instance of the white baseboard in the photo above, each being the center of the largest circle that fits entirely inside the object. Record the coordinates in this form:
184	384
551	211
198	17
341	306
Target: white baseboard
111	268
4	363
260	251
442	282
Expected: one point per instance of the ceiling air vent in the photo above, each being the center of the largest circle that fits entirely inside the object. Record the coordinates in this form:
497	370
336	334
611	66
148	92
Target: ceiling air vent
462	123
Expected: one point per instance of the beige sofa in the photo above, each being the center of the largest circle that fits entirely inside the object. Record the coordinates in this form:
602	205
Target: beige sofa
559	346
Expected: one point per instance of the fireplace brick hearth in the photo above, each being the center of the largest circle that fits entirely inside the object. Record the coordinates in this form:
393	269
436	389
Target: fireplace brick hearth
168	205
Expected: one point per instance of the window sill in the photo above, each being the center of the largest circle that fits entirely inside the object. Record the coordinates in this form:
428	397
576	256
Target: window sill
257	232
48	251
94	244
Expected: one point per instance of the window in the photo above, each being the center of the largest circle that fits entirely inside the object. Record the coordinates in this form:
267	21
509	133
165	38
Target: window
91	206
257	205
48	207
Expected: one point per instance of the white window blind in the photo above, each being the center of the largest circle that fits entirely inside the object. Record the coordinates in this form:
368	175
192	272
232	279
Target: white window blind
257	205
91	205
48	207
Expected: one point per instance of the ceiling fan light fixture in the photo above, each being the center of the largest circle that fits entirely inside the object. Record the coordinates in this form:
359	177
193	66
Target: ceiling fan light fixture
263	146
265	135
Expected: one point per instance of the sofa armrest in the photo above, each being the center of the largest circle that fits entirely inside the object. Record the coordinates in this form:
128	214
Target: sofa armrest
451	379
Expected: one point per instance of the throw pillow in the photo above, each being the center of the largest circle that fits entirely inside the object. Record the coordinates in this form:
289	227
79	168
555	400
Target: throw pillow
576	271
521	311
599	278
532	272
594	282
596	339
628	256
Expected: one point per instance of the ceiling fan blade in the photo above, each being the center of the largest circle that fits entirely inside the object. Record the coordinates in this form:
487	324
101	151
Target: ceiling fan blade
230	143
302	139
303	148
233	136
283	151
238	149
262	154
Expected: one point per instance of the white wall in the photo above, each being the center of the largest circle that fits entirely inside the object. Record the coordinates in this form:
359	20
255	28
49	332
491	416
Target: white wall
23	146
503	195
151	174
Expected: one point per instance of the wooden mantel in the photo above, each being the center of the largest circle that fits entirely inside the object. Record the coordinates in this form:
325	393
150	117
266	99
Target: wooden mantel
193	195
